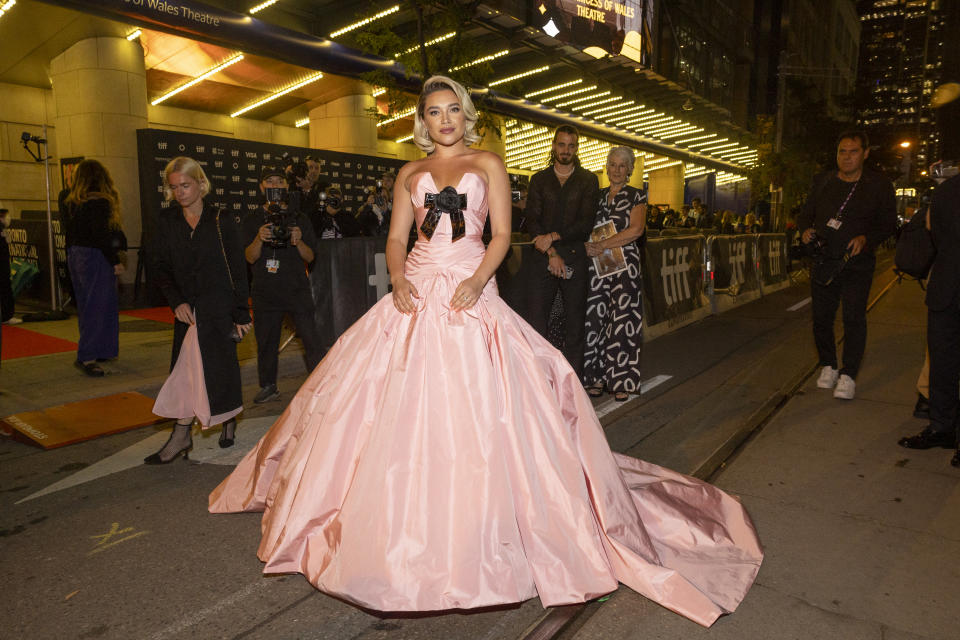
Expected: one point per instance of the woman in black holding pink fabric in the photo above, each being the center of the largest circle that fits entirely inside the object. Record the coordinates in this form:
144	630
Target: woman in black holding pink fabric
198	265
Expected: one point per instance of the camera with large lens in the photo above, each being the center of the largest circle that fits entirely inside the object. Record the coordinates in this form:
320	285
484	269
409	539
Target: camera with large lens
295	172
331	201
280	219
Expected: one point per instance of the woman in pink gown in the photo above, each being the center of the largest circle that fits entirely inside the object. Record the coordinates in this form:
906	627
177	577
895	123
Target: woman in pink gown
443	455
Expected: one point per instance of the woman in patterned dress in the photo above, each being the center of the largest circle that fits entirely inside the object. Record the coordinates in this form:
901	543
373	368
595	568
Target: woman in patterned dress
615	303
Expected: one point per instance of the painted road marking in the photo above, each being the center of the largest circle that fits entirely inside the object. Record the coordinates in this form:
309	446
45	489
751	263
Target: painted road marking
205	449
800	305
610	404
115	530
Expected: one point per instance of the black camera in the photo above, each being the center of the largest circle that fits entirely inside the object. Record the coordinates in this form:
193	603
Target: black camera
329	201
516	189
297	171
817	245
447	200
279	218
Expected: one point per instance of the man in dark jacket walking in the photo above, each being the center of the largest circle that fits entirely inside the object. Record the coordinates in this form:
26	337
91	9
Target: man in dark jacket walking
847	214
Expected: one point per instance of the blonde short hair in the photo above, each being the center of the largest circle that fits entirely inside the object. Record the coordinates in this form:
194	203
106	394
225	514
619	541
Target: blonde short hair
188	166
421	137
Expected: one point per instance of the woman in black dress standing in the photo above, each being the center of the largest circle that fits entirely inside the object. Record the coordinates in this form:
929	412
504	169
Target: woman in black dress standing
95	245
199	266
614	327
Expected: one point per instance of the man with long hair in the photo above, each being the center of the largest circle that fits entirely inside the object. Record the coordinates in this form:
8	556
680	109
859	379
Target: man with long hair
561	204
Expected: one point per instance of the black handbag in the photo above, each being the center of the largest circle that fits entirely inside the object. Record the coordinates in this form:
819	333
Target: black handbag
915	250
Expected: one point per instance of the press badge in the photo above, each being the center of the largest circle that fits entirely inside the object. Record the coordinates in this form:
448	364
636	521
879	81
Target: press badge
834	224
273	265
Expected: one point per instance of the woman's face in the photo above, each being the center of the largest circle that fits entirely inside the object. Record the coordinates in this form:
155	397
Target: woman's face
186	190
617	169
443	117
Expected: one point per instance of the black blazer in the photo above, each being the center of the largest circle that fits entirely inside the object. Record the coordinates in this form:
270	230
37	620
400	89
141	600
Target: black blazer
944	282
191	267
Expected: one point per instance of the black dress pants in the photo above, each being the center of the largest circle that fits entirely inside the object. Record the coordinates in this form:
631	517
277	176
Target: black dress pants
541	293
943	340
852	288
267	324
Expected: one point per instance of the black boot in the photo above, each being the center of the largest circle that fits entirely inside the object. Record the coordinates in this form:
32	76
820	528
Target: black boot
922	408
226	433
180	441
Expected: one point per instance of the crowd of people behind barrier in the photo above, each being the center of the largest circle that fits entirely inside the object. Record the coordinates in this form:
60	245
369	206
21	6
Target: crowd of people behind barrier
695	216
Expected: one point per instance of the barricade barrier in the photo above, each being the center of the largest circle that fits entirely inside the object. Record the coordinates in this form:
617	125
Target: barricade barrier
746	267
732	263
774	262
349	275
673	283
685	277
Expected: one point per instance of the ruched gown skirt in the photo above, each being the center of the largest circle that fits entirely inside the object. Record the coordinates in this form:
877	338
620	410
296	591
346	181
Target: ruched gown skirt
451	459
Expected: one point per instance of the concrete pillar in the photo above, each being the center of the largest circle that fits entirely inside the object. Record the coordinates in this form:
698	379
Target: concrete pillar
344	124
636	178
666	186
100	100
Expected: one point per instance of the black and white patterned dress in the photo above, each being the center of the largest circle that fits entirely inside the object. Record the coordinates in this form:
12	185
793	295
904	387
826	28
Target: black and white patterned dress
614	332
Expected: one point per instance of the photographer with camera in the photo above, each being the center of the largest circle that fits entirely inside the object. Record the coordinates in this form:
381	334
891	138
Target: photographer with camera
279	241
848	213
332	221
374	215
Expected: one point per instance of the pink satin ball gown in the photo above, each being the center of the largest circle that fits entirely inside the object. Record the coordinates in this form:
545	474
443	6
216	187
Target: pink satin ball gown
452	460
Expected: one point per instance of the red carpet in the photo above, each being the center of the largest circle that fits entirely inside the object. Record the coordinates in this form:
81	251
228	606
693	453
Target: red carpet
23	343
160	314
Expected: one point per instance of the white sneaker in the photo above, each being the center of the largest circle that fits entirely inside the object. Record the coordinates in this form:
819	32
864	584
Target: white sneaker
846	388
828	378
13	321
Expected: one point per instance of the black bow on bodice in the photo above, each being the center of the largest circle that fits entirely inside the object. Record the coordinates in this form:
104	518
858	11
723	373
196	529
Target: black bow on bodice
447	201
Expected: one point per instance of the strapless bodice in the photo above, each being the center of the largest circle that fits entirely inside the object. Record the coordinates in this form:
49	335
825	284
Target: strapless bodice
474	216
441	254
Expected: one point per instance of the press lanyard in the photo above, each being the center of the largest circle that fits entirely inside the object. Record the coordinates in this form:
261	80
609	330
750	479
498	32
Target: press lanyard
839	214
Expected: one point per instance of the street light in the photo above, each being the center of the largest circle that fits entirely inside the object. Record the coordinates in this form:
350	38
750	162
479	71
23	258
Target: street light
906	160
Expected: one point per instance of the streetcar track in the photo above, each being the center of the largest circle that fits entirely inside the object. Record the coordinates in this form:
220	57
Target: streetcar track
556	620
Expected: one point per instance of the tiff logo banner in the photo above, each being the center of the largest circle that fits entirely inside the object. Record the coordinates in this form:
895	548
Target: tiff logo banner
673	275
775	257
677	292
738	261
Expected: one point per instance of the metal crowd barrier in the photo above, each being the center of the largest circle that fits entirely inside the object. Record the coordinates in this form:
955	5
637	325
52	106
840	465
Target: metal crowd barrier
686	277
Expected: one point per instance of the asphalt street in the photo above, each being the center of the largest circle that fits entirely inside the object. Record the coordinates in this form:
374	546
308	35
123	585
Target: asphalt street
858	532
